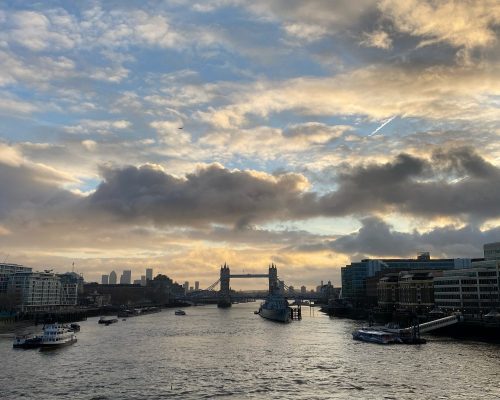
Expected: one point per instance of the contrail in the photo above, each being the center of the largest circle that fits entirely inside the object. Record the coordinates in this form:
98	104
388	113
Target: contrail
381	126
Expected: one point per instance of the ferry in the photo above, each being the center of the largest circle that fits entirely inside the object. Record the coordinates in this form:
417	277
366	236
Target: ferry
57	335
276	308
376	336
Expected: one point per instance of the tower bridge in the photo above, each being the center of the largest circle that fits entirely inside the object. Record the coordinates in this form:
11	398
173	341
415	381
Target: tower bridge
224	297
225	278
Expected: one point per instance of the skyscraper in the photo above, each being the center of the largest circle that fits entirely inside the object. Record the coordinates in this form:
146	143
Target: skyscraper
197	285
186	286
126	278
143	280
105	279
149	274
112	278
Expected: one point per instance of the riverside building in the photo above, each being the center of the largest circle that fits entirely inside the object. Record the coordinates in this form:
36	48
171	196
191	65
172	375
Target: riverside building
354	275
36	291
410	290
6	270
474	290
44	291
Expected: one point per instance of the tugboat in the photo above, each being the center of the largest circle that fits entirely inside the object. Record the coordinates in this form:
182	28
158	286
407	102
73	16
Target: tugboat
57	335
27	342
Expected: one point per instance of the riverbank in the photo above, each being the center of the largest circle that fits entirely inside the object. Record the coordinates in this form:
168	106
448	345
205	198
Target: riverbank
73	314
471	328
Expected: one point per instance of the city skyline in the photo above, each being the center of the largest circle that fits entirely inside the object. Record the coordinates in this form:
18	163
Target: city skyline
183	135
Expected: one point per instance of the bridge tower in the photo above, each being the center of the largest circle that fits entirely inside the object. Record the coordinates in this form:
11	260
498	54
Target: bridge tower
273	280
224	294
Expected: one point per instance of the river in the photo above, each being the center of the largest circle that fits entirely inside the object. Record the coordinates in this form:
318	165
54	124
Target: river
232	353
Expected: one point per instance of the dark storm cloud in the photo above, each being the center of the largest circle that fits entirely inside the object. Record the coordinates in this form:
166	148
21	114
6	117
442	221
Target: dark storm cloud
212	194
379	239
28	188
456	182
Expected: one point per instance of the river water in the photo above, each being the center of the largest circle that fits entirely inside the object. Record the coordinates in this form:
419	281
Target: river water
235	354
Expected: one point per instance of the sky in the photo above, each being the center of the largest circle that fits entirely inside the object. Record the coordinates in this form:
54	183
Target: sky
182	135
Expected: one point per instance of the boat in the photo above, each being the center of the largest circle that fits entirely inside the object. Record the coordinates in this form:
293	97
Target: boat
75	327
180	312
338	308
27	342
128	313
276	308
376	336
107	321
57	335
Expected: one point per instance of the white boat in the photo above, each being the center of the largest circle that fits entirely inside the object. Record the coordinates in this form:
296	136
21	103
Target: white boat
376	336
276	308
57	335
180	312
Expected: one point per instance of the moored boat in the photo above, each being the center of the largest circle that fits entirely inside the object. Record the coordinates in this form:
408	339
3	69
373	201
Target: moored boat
107	321
376	336
75	327
57	335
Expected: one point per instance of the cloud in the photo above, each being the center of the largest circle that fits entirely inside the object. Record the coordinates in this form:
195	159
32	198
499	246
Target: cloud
416	186
315	132
89	145
37	31
172	132
408	185
376	238
378	39
459	23
211	195
113	74
379	92
11	105
335	15
32	190
266	143
306	32
99	127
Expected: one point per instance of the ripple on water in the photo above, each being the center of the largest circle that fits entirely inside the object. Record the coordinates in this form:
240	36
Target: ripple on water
235	354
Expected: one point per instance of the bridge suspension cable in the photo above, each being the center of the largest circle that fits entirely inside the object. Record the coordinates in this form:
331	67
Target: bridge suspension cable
213	285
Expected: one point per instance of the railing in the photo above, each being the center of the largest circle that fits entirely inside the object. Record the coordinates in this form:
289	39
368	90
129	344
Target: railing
436	324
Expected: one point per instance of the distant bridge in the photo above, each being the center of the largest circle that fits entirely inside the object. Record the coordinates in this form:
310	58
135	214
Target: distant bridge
224	296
